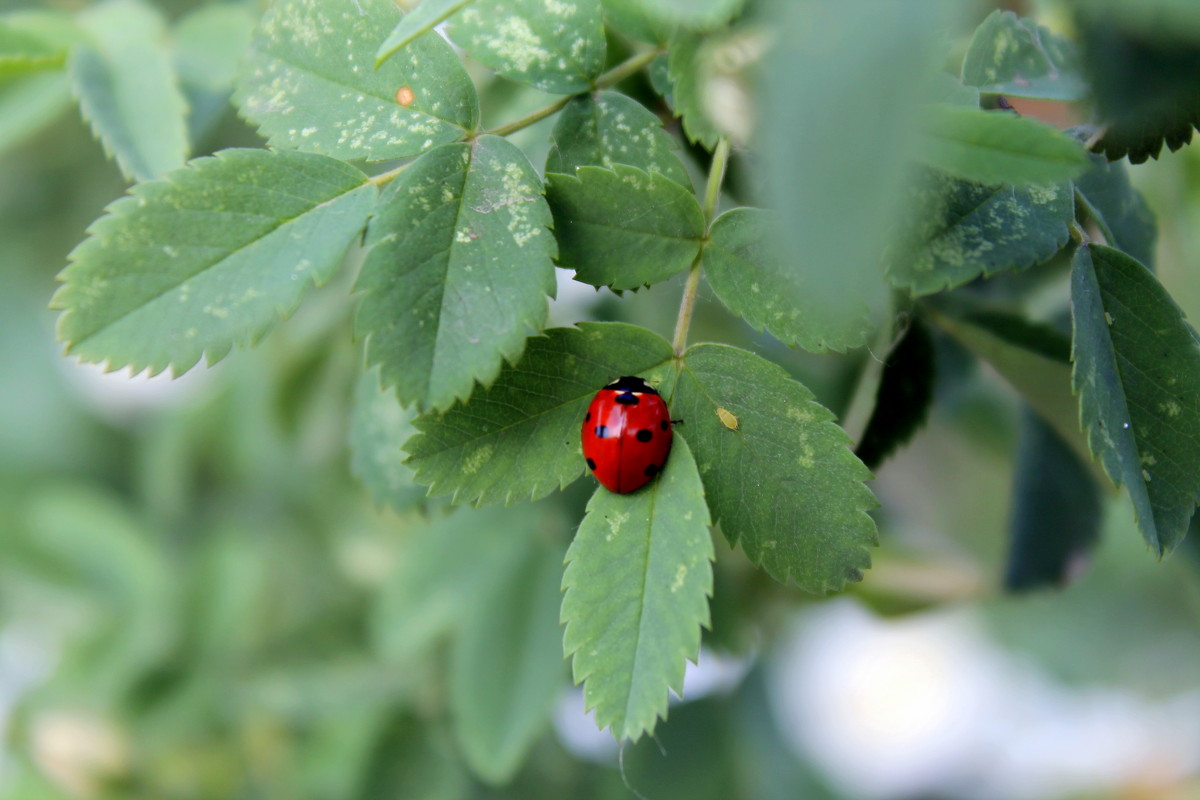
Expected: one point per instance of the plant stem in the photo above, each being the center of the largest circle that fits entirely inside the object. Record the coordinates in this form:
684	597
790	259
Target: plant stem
712	192
628	67
862	402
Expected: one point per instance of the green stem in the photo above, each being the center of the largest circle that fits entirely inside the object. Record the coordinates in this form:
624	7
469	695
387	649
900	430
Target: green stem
628	67
712	192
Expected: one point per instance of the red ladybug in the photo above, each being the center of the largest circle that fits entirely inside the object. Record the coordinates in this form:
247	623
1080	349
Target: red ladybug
626	435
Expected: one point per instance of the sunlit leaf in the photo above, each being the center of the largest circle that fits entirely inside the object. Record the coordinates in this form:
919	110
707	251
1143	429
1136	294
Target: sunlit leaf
1137	373
815	531
458	272
553	45
637	585
998	147
210	256
309	82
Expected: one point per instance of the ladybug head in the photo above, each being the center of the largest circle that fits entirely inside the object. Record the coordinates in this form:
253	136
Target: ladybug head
629	383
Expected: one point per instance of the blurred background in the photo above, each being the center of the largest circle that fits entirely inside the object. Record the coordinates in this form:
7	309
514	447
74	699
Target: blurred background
200	599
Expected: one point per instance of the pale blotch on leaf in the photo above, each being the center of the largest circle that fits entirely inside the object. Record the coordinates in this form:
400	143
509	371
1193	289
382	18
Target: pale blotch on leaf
477	460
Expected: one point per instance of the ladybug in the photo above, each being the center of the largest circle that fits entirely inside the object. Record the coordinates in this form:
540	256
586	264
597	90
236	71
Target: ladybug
626	435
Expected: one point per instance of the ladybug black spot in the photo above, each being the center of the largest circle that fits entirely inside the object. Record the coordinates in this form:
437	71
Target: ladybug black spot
591	465
588	418
627	399
644	436
663	424
652	470
601	431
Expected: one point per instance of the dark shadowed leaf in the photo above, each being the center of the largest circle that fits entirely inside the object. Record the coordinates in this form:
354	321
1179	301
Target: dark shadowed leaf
1118	209
1056	512
904	396
1137	374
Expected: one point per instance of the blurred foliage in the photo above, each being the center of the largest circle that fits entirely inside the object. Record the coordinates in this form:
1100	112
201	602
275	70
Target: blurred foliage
199	600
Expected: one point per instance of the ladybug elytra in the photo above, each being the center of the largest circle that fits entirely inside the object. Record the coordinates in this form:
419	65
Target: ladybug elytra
626	434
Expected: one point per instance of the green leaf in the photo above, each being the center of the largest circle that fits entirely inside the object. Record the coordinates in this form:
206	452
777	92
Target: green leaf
22	51
440	567
998	147
127	88
695	14
210	256
1118	209
1057	510
379	426
29	103
1017	57
1032	357
506	668
904	397
957	231
1146	93
810	525
632	18
1137	373
520	437
623	227
421	20
823	111
555	46
309	82
413	760
687	68
209	43
606	128
751	275
637	583
458	272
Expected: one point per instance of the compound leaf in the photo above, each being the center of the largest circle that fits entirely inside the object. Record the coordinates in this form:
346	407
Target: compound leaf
520	437
458	272
210	256
812	530
638	578
319	58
